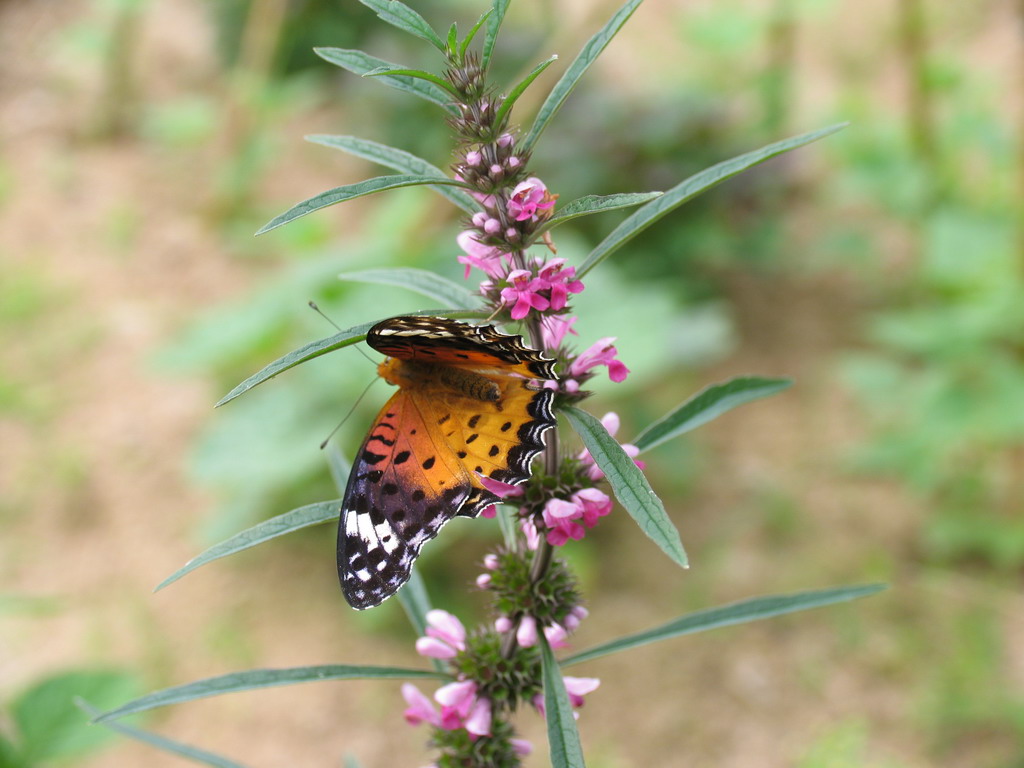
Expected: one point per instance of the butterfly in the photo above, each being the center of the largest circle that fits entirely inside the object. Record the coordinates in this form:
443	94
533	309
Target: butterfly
470	402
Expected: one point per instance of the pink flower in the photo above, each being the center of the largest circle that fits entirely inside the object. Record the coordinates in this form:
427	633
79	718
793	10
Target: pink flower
610	421
498	488
553	329
593	504
491	561
483	581
526	634
576	615
462	708
528	198
558	279
421	709
560	518
531	533
523	293
445	636
521	746
556	635
502	624
600	353
478	721
578	687
483	257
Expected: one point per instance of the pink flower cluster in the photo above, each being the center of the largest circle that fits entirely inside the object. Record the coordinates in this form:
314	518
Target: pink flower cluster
548	289
568	519
556	634
460	706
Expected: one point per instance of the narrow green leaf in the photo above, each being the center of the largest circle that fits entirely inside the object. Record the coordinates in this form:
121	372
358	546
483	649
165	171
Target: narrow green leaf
708	404
493	25
350	192
399	160
727	615
563	738
510	100
360	63
572	75
260	678
194	754
297	519
690	188
406	19
338	466
453	38
628	484
507	526
49	725
584	206
472	33
421	281
416	602
419	74
314	349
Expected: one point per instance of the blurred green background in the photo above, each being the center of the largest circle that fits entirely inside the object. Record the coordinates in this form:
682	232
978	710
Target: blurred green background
143	141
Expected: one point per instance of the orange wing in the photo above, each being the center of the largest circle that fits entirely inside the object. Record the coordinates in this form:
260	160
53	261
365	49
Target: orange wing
417	468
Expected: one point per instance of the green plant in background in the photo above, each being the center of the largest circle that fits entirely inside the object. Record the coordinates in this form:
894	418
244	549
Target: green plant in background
508	660
944	379
46	725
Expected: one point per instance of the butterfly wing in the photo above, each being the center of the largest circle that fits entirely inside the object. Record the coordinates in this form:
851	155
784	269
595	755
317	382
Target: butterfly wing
446	341
402	488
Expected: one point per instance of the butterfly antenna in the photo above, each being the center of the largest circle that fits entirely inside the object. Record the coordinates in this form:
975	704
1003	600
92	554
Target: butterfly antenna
313	305
350	412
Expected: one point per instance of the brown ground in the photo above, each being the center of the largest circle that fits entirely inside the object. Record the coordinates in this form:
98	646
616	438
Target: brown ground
96	508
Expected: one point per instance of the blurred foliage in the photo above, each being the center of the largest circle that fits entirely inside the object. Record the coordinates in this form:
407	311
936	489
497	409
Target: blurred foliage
48	726
944	379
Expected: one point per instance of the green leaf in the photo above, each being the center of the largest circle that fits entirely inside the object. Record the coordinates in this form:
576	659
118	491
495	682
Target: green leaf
194	754
472	33
297	519
50	725
690	188
338	465
9	757
706	405
419	280
628	484
405	18
360	63
493	25
572	75
399	160
418	74
261	678
351	761
416	602
350	192
563	738
510	100
584	206
727	615
453	39
314	349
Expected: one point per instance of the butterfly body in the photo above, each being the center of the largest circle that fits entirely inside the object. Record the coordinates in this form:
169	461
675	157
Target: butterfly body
469	403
